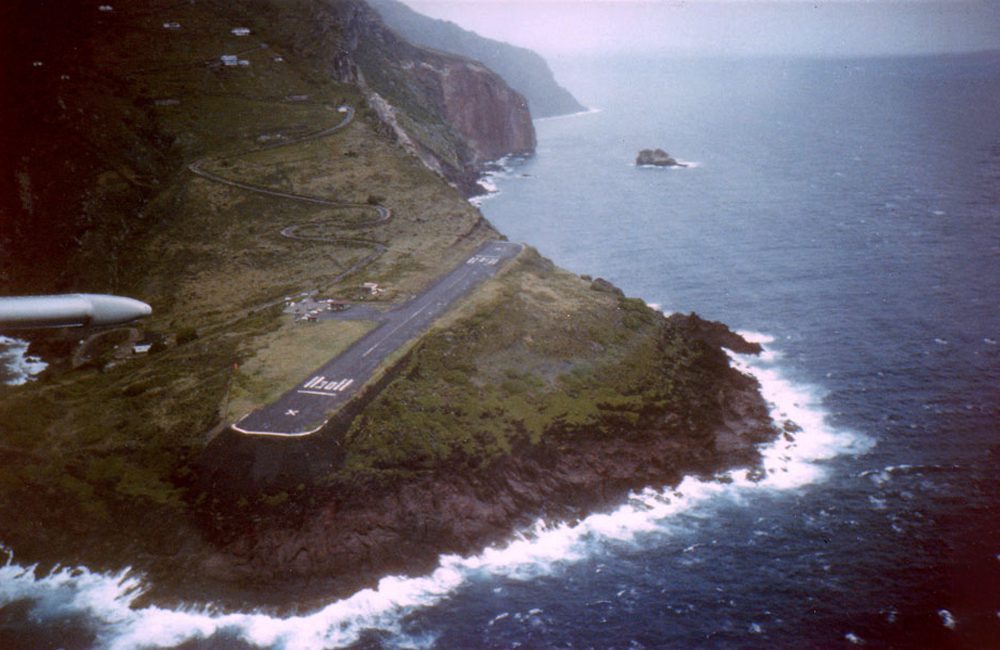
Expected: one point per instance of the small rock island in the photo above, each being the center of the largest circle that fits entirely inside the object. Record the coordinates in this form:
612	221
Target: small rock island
657	158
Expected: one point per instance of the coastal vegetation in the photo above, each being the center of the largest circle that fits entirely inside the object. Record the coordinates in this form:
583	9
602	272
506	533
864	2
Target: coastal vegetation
545	357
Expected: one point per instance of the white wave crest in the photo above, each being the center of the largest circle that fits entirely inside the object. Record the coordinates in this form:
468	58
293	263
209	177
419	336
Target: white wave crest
500	168
491	191
682	164
586	111
789	462
15	358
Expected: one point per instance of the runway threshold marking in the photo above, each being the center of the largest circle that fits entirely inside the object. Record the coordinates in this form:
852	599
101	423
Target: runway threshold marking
324	387
485	260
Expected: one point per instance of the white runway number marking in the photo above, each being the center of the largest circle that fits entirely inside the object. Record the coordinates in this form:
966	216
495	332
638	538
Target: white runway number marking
485	260
320	385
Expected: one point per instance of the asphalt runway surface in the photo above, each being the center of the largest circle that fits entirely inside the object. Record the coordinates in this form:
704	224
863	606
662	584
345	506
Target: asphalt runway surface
306	408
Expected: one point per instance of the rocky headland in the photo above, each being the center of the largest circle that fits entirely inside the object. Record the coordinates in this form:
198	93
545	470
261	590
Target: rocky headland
523	69
543	394
363	532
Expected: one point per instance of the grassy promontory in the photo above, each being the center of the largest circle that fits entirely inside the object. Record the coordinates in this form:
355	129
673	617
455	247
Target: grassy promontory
546	394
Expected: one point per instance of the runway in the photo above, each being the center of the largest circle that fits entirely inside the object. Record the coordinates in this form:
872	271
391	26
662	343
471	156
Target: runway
305	409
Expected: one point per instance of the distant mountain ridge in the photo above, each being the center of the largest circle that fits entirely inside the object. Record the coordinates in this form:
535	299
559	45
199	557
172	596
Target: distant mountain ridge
523	69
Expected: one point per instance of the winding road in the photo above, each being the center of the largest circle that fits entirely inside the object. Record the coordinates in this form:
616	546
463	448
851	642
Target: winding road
383	213
307	408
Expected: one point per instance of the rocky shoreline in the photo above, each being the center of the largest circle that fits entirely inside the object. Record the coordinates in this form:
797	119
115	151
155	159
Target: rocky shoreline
350	538
546	395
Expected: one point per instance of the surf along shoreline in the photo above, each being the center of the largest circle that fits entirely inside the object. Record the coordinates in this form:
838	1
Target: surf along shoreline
535	486
296	557
351	539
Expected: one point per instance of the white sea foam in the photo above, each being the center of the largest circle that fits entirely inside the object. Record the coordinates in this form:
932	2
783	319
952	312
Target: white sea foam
482	198
488	184
757	337
19	364
947	619
502	168
588	111
684	164
106	599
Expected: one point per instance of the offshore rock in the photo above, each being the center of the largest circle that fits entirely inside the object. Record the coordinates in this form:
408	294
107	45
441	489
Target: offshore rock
657	158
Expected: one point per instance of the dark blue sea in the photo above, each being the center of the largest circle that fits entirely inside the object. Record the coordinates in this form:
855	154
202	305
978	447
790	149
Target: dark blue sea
844	212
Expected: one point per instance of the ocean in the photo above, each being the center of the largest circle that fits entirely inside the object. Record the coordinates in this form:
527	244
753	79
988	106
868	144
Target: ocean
845	213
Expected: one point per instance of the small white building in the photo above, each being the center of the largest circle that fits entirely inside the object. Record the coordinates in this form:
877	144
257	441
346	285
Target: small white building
240	31
230	60
172	26
106	8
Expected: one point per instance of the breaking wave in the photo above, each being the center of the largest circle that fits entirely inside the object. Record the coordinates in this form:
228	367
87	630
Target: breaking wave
497	169
106	600
683	164
17	365
586	111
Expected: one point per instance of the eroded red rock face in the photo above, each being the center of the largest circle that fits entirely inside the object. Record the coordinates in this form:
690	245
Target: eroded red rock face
462	114
493	118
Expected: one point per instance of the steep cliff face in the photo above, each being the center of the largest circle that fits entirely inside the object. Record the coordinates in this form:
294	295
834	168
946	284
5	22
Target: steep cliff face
523	69
455	113
493	118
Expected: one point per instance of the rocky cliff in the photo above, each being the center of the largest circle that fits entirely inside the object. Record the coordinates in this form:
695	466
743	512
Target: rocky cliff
484	118
454	113
523	69
361	534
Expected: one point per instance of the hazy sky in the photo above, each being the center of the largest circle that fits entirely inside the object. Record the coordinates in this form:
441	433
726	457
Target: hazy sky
818	27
